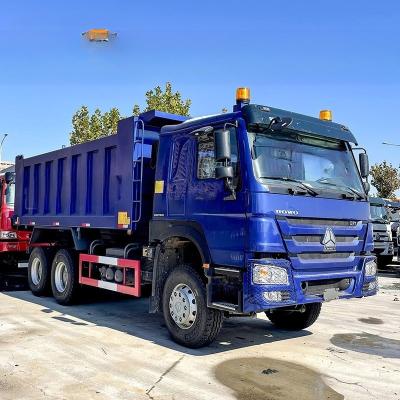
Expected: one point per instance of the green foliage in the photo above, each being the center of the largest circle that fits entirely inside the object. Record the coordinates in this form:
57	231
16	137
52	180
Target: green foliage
87	127
167	101
386	179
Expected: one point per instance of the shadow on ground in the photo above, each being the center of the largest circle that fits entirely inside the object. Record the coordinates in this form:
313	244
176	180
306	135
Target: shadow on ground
131	316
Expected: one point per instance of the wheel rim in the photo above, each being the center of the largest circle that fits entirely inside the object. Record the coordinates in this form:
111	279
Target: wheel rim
36	271
183	306
61	276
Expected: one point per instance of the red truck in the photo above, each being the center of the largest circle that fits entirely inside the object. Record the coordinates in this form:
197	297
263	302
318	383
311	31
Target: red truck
13	243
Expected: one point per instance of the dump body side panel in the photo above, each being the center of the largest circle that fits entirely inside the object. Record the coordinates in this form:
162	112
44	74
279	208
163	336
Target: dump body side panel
89	184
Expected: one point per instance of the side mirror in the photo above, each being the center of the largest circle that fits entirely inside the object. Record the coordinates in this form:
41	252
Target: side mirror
222	145
364	165
9	177
223	172
367	187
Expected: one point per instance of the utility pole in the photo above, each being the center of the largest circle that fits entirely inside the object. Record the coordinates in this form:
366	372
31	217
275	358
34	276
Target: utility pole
1	147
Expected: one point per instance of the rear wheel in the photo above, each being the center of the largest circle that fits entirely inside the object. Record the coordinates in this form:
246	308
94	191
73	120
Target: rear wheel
64	277
188	319
39	271
296	319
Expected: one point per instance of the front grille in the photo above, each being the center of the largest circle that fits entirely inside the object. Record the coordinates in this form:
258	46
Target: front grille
303	238
323	256
317	239
322	222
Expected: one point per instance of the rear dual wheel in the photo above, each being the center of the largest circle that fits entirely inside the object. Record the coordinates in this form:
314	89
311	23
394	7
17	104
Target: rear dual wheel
64	277
39	271
57	274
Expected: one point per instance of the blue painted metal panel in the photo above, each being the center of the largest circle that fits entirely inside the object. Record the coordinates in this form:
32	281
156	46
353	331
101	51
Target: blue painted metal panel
91	182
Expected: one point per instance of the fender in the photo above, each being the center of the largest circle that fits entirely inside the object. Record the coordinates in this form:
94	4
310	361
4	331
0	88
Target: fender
162	230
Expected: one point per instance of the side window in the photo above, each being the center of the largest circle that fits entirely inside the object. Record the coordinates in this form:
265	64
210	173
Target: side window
206	158
179	156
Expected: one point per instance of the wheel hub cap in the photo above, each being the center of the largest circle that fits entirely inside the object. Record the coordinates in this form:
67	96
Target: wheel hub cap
61	277
183	306
36	271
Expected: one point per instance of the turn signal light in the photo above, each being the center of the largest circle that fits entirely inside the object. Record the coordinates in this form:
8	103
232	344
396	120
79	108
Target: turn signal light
325	115
243	94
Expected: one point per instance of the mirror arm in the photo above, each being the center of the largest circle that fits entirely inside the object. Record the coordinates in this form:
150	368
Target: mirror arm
231	187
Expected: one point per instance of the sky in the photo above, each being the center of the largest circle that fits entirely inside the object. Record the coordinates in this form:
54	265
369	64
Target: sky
301	56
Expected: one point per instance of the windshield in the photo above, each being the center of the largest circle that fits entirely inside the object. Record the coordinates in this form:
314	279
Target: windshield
378	213
10	194
394	215
325	165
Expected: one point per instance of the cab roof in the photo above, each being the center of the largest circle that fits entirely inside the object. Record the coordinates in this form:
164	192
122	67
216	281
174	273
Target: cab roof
262	115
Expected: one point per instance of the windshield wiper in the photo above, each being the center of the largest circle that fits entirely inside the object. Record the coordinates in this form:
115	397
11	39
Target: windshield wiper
308	189
327	181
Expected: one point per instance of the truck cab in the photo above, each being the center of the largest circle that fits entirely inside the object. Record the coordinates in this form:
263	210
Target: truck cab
393	208
383	244
13	243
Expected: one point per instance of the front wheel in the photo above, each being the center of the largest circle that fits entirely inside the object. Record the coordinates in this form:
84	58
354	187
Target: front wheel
189	321
295	319
64	279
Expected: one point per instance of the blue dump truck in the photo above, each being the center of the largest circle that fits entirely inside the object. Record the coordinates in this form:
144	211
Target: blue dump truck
256	210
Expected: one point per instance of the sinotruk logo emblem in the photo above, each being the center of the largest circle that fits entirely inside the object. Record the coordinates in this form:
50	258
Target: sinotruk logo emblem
329	240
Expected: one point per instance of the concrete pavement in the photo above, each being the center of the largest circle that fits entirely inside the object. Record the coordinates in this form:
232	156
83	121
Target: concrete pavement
113	349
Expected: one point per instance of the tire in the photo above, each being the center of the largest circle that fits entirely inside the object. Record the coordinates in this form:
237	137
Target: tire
39	271
64	277
384	261
295	320
202	324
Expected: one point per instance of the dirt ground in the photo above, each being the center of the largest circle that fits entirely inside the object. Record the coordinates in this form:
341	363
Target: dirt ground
111	348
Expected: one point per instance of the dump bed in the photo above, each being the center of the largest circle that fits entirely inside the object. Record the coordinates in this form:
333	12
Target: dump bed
98	184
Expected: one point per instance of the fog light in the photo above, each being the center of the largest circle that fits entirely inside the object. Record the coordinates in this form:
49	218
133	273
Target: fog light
370	268
273	296
372	285
270	275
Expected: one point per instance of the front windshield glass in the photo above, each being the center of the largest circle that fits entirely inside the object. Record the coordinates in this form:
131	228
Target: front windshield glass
10	194
320	164
394	215
378	212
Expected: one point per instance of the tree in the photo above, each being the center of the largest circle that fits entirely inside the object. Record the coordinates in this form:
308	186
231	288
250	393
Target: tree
386	179
110	121
167	100
96	125
86	126
89	127
80	126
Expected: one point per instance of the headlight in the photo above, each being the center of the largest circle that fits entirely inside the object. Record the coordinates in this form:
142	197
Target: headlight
370	268
8	235
269	275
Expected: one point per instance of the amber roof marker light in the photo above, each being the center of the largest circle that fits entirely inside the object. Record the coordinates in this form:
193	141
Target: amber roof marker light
243	95
325	115
99	35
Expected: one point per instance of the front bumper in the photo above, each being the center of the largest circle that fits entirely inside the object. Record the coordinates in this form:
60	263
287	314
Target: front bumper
13	246
306	287
383	248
